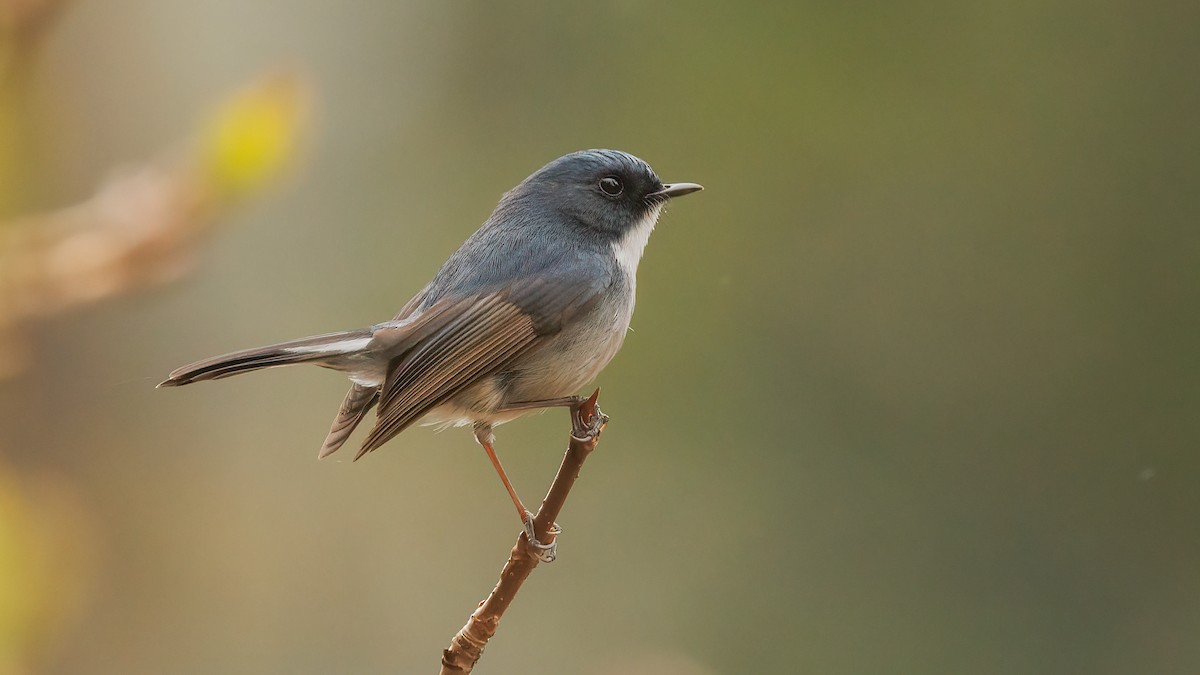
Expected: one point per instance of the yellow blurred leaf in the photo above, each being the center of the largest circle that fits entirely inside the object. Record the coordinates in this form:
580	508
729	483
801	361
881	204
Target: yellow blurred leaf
252	137
48	554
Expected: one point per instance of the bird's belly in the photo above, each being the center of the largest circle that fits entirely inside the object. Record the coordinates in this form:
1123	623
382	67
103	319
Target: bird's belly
564	364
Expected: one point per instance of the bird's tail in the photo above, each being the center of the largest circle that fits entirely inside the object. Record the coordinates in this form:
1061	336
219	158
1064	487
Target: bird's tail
321	349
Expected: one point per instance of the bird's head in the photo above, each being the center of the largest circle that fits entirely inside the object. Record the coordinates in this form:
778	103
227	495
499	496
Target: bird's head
607	191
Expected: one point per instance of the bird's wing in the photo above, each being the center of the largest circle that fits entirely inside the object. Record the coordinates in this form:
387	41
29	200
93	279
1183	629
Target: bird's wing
361	398
472	338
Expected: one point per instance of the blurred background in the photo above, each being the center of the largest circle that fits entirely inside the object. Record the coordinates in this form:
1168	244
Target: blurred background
913	385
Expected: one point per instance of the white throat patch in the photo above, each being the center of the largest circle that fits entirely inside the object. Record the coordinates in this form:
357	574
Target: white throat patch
628	249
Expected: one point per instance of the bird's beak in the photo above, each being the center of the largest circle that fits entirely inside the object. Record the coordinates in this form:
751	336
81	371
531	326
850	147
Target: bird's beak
675	190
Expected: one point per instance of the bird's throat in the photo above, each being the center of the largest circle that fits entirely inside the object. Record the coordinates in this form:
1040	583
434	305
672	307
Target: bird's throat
629	247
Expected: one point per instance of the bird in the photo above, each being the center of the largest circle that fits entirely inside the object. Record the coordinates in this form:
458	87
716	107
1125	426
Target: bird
526	312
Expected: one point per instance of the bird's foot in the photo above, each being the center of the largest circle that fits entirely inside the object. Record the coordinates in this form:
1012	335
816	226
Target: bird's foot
543	552
587	420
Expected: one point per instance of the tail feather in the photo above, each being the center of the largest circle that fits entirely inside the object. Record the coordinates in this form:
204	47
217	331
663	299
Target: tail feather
319	348
357	404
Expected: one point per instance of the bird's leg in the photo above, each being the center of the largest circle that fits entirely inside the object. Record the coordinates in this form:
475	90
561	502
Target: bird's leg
560	402
580	428
483	434
544	552
586	423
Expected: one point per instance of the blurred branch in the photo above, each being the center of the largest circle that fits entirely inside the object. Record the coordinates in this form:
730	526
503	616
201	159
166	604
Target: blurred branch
22	25
467	646
142	226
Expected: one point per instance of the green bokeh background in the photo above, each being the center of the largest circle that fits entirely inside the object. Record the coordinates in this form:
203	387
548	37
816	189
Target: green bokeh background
912	386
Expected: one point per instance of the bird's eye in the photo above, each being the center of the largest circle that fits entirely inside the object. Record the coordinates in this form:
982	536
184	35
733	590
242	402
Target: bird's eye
611	186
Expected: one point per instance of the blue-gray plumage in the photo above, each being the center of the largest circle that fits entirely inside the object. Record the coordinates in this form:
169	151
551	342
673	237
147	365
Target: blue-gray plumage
526	312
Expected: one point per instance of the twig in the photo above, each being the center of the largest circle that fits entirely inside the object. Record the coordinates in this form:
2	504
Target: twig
467	646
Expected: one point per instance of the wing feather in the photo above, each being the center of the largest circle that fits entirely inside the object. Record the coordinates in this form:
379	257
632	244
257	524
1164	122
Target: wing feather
471	338
483	336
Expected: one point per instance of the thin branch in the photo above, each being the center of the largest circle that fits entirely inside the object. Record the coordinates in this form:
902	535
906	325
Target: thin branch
467	646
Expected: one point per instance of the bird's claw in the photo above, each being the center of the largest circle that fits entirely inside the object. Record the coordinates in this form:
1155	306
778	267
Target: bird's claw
543	552
589	429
